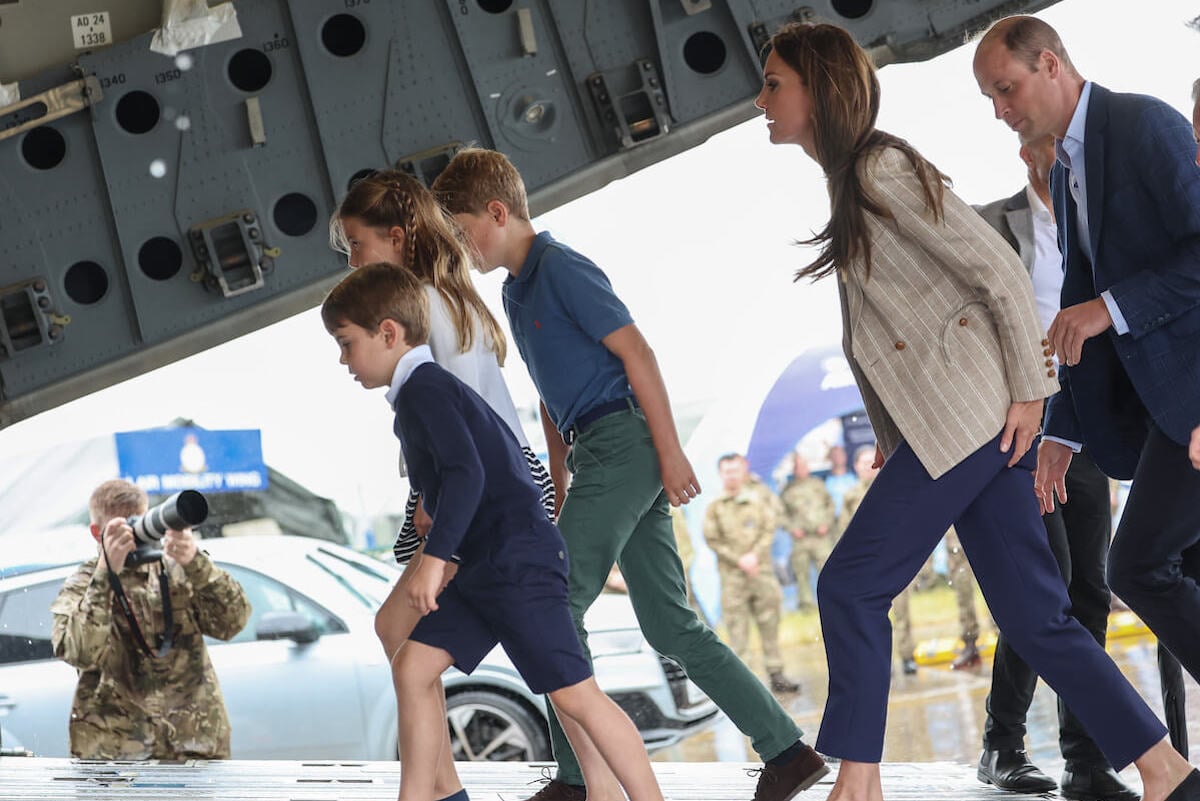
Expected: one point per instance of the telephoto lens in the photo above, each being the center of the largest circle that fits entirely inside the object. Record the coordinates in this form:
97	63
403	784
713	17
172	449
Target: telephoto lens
180	511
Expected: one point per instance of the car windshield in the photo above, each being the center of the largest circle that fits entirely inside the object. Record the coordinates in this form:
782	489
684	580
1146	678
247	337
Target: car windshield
369	584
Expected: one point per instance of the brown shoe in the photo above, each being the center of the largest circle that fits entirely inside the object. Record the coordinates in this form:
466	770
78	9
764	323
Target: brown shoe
968	659
554	790
783	782
782	684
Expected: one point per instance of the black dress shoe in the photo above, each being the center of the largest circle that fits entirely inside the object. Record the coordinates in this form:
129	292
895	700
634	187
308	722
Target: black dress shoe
1012	771
1188	790
1095	783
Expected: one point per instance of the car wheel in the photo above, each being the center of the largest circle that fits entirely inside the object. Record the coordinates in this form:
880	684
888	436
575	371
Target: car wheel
496	728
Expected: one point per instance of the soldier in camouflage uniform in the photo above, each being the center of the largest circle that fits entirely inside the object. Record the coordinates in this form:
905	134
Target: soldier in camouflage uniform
864	459
810	517
739	527
961	579
129	705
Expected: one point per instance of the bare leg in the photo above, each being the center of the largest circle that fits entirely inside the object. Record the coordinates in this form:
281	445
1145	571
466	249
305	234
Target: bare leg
601	782
393	624
857	781
1162	770
418	672
612	733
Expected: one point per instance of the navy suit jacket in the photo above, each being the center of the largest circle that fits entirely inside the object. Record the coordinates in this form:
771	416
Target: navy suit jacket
472	475
1143	189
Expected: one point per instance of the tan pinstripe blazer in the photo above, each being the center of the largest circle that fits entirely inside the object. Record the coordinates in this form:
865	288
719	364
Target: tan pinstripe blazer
944	336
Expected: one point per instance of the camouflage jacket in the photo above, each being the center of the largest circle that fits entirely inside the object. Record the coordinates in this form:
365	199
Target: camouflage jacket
735	525
850	502
809	505
683	540
132	706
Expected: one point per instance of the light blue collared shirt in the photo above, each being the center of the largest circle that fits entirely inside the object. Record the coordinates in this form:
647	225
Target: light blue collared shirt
408	362
1070	151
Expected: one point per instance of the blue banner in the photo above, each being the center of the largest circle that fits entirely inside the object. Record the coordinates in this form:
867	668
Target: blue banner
168	460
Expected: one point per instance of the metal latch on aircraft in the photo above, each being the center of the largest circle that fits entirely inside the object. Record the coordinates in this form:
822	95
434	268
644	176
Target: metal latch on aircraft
636	117
426	165
231	253
28	318
50	105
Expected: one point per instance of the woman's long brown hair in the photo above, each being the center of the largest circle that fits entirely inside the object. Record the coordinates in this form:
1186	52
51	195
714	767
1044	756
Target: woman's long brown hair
845	94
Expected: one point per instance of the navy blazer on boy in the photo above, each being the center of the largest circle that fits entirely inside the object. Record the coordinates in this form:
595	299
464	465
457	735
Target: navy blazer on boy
464	460
1143	197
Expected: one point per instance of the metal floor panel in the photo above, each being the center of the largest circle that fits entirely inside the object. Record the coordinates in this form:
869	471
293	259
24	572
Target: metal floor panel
37	779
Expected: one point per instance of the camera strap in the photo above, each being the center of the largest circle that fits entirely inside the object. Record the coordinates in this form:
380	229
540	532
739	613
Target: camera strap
167	638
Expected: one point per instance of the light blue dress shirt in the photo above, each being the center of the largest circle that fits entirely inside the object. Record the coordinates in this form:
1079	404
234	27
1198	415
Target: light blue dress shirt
1070	151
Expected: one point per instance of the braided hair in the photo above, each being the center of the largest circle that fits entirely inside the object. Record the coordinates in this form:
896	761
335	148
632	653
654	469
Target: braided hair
435	250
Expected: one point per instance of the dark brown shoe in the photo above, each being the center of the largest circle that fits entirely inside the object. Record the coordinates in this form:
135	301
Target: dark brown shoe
554	790
969	659
783	782
782	684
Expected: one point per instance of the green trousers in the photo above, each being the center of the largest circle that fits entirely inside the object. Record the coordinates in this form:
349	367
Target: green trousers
616	511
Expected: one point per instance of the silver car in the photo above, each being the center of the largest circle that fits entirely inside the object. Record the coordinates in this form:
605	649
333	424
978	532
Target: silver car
307	679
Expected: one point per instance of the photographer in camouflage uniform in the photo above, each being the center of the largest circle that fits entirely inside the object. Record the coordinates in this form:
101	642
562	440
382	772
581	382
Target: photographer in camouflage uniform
130	704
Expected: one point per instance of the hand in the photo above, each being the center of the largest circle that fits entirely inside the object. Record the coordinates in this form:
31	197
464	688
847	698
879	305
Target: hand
878	463
1194	448
1053	459
822	530
1022	425
422	522
180	546
749	564
678	478
1076	324
115	545
424	586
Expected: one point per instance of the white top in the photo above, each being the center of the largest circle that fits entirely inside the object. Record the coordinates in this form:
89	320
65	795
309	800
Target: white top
1047	261
477	368
404	368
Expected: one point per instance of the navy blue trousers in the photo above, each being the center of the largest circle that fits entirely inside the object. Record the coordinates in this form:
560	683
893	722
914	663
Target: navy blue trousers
1154	564
993	508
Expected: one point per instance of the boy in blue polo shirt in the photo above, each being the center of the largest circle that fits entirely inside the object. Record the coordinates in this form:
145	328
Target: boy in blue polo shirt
608	422
511	584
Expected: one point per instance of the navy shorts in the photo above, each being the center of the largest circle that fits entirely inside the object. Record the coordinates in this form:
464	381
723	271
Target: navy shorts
516	597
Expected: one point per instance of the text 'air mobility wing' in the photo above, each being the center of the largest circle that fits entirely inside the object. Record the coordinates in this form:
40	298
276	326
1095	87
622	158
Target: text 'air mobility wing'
167	169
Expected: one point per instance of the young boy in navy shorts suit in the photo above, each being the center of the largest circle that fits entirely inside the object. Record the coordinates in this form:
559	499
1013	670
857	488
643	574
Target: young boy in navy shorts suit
604	398
511	585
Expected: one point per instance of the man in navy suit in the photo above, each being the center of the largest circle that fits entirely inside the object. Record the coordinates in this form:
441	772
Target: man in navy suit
1126	191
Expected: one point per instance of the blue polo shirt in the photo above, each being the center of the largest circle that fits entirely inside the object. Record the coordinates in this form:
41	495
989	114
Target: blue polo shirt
559	307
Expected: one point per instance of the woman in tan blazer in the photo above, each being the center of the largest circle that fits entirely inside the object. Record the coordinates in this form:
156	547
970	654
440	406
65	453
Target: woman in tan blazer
940	329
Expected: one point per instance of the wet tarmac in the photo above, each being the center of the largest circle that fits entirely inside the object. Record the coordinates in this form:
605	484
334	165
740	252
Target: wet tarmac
938	714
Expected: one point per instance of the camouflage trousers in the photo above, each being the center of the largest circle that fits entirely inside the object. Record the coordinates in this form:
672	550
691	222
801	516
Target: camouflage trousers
808	553
962	580
759	598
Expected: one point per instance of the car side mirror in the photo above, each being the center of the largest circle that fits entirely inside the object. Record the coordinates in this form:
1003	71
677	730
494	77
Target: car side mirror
287	626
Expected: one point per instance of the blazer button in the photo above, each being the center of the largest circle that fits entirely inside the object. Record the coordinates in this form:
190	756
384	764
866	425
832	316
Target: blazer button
900	345
1047	352
1051	373
1049	362
1045	342
962	320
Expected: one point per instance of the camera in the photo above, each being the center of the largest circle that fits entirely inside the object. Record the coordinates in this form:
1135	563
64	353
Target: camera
181	510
